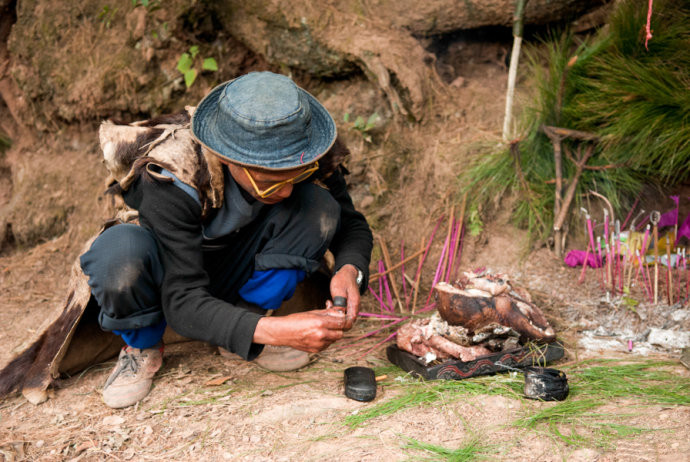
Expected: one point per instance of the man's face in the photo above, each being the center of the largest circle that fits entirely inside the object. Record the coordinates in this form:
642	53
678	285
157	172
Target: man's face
263	180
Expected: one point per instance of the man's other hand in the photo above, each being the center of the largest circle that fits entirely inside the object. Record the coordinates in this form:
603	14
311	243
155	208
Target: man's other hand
344	284
310	331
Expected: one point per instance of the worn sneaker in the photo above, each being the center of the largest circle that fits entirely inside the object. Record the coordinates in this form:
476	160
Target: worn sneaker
282	358
132	377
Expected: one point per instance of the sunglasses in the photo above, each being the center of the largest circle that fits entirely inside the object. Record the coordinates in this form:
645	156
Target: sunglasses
274	188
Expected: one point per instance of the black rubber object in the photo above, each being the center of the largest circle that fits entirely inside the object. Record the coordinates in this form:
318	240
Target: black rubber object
360	383
545	384
340	301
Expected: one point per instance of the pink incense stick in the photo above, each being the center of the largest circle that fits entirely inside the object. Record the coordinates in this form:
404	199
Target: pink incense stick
377	345
451	259
437	275
373	332
590	231
687	279
380	300
678	270
625	223
428	307
643	251
402	271
428	246
606	227
644	276
444	251
601	262
386	286
426	252
618	255
456	261
609	268
378	315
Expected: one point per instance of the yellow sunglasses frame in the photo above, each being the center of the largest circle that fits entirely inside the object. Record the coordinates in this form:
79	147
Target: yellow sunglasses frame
276	187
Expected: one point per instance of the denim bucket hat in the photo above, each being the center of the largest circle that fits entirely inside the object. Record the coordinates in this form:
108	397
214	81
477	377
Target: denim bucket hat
263	119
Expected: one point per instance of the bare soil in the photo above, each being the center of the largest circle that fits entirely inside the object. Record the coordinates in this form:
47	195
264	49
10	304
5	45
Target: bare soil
206	407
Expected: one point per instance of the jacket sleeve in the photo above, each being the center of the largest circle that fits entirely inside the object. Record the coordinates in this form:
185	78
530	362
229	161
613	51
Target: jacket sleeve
189	308
353	242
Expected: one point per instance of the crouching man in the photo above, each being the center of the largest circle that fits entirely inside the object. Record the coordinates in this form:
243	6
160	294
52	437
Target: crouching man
211	272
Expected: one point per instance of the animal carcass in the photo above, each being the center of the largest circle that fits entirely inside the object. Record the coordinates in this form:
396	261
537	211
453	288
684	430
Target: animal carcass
478	315
478	300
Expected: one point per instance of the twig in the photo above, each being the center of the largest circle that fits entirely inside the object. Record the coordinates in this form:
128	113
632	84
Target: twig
449	239
418	275
581	279
398	265
603	198
421	262
606	167
387	260
458	234
458	258
570	194
558	167
514	58
568	133
386	287
402	274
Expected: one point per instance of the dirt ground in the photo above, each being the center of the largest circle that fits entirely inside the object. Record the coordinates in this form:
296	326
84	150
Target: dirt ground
206	407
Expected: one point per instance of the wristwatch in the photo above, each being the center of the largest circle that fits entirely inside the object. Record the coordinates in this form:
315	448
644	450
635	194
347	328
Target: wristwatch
360	278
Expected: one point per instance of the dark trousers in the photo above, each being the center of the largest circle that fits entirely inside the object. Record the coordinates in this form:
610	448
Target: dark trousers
125	269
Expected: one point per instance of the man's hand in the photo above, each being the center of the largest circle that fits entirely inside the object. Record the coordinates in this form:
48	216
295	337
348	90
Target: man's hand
310	331
344	284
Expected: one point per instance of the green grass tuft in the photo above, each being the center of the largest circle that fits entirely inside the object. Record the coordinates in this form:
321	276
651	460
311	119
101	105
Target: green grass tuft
594	383
649	381
473	449
421	393
575	421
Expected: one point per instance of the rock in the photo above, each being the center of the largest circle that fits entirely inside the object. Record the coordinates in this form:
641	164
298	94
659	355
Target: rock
680	315
669	338
113	420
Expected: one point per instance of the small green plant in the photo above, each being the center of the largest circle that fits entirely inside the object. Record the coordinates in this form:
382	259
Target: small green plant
363	126
150	5
188	64
106	15
474	221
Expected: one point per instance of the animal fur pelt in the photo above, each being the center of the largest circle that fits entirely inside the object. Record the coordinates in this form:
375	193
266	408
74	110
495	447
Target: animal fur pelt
34	369
129	150
132	150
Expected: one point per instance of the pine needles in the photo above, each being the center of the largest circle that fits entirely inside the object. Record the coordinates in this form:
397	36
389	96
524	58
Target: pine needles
576	421
470	450
637	103
420	393
648	382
